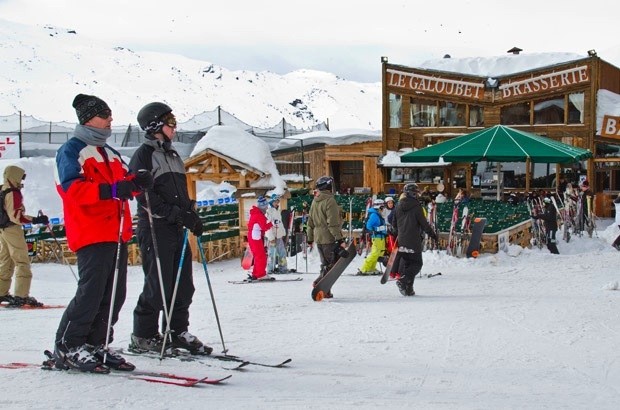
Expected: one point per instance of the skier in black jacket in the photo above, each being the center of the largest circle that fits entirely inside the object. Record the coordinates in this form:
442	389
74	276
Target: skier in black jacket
408	220
550	218
172	211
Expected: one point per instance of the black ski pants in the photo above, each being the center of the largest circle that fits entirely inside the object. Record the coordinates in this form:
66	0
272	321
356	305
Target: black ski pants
551	242
86	318
147	312
410	265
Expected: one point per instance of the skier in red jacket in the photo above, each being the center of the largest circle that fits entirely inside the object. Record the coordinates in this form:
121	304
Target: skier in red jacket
257	226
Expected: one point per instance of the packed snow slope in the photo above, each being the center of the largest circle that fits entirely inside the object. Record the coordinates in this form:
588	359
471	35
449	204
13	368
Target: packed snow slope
524	330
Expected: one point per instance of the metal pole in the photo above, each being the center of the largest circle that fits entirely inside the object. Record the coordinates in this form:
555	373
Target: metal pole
114	282
217	316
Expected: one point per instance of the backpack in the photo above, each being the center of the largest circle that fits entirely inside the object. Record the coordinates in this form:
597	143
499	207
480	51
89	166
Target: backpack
4	217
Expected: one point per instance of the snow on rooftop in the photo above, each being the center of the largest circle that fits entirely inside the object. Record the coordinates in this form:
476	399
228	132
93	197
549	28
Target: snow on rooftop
392	159
345	136
245	148
499	65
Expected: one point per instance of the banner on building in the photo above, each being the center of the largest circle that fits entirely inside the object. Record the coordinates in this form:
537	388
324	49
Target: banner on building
611	127
9	146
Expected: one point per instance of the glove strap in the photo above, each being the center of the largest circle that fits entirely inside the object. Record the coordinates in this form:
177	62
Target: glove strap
113	190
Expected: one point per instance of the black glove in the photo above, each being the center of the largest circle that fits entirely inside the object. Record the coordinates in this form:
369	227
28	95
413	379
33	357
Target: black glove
340	251
117	190
41	219
192	221
144	179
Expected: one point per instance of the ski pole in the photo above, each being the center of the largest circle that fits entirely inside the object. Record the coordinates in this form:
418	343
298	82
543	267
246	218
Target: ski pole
156	252
114	283
174	294
62	254
217	316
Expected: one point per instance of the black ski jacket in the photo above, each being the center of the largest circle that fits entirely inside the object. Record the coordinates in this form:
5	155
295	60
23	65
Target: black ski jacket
169	193
549	217
409	221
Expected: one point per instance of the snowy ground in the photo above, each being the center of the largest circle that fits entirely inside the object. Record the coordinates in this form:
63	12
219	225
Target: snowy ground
534	331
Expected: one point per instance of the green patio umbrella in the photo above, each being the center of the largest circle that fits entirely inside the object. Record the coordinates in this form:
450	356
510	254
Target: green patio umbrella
499	144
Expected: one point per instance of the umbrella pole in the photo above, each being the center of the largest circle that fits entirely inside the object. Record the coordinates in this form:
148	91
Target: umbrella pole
499	170
527	175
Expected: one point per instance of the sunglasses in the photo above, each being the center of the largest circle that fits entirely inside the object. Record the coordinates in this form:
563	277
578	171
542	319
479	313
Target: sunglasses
105	114
169	120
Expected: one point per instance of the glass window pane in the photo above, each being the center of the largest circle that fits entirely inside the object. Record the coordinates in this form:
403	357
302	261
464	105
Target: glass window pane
476	116
423	113
451	114
516	114
549	111
575	108
395	110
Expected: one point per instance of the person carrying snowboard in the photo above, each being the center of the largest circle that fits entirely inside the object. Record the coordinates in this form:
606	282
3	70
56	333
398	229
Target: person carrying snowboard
325	227
257	226
409	222
550	219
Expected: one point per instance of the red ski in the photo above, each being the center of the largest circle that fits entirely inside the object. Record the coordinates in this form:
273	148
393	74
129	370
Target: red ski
147	376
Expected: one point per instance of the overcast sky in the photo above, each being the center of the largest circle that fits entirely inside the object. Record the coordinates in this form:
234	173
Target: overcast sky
344	37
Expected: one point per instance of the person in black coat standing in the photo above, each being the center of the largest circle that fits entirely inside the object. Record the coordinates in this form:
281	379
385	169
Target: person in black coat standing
550	218
408	221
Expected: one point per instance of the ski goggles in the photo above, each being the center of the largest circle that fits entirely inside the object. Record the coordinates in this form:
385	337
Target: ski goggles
169	120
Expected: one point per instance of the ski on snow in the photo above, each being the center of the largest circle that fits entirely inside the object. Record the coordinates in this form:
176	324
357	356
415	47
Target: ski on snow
31	307
248	281
187	357
178	355
147	376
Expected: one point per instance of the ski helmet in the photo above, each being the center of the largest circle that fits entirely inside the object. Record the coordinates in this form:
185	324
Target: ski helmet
149	116
411	189
325	183
378	203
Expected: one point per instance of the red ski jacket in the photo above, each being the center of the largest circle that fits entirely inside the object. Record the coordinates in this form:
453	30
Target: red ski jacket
80	168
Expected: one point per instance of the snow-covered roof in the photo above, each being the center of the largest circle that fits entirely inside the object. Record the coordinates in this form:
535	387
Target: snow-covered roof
345	136
498	66
245	148
392	159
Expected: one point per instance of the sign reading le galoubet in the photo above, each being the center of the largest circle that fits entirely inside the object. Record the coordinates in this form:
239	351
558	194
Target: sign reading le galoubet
611	127
9	147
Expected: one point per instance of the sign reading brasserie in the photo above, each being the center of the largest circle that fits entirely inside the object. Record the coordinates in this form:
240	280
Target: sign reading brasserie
546	82
611	127
437	85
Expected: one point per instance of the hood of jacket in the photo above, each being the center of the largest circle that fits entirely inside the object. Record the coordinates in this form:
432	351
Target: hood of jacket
13	175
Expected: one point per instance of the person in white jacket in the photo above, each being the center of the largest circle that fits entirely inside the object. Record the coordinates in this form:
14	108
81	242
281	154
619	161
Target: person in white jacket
276	254
616	243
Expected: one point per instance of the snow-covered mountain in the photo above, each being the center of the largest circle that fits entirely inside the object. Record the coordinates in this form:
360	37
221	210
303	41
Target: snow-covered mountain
43	68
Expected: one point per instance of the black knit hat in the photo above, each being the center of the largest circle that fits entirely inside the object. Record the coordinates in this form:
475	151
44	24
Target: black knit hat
89	106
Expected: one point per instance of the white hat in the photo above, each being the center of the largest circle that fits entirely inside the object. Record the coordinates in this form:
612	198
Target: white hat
377	203
389	198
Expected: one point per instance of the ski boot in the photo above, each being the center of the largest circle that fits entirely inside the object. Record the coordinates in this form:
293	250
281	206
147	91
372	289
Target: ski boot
113	360
80	358
191	343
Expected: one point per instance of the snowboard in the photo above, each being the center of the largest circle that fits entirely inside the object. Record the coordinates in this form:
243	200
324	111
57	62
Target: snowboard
247	259
473	249
388	267
326	283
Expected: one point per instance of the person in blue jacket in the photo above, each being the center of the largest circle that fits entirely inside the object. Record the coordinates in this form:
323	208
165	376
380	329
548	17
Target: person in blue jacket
375	225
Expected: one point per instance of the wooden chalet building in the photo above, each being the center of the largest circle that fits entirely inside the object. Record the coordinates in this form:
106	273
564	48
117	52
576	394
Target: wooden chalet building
560	101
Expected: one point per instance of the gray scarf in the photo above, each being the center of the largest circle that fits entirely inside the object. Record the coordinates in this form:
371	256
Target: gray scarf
91	135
